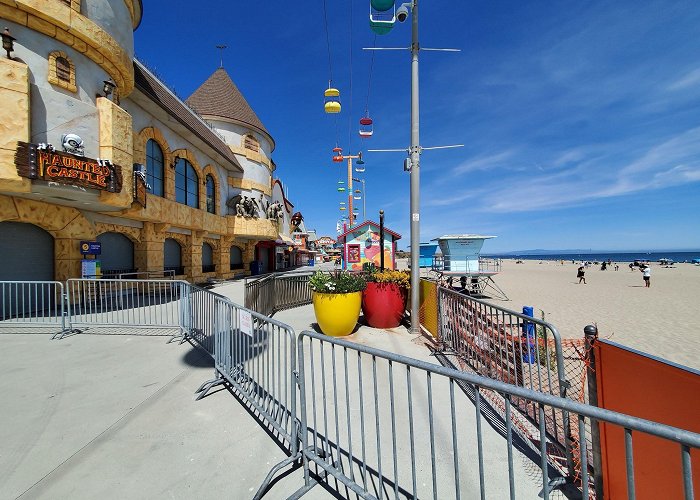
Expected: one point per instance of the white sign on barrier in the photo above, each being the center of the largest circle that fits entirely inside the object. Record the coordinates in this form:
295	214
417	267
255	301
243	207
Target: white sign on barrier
245	322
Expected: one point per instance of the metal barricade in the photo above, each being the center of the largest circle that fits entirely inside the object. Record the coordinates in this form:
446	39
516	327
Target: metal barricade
260	294
35	306
385	425
158	307
292	290
256	357
510	347
277	292
200	321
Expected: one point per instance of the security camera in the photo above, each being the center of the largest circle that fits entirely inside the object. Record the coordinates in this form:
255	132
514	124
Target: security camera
402	12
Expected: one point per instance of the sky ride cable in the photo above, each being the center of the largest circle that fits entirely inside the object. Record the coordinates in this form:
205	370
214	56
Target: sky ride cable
328	43
369	80
330	64
350	113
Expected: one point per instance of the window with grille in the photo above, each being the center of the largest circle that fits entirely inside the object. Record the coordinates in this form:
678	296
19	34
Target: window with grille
63	69
250	142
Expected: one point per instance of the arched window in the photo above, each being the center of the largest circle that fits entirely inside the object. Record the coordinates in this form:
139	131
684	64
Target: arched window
236	258
250	142
154	167
62	71
172	257
211	195
186	183
207	258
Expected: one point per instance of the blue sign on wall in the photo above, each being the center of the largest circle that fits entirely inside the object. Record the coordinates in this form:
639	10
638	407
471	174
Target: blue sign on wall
90	247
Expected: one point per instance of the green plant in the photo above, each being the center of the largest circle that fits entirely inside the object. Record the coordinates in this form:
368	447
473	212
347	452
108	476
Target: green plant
369	267
342	282
401	278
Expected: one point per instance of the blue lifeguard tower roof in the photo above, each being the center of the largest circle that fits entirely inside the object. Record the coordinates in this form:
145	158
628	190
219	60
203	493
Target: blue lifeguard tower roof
460	252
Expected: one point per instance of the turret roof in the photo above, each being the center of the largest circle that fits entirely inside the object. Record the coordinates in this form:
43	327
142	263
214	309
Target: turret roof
219	97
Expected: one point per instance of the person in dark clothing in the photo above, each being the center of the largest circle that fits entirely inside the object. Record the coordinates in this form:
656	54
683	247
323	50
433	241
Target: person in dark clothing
581	275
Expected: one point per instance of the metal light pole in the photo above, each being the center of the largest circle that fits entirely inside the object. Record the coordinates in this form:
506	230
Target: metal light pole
415	175
364	197
414	151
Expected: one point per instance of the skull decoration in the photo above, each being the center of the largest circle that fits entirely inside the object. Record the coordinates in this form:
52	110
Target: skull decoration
72	143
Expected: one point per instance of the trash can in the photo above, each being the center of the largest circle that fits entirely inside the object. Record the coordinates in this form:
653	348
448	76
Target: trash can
311	261
255	267
529	336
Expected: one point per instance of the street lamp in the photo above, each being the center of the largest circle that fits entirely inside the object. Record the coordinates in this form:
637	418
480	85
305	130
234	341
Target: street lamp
108	87
8	42
364	197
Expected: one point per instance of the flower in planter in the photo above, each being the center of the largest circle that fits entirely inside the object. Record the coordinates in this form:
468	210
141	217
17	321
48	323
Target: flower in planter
342	282
401	278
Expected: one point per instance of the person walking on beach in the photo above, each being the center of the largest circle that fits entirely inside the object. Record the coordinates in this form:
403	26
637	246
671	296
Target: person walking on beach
581	275
646	275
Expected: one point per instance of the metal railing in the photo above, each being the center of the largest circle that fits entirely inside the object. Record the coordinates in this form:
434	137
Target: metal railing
160	305
35	304
385	425
465	265
510	347
126	274
276	292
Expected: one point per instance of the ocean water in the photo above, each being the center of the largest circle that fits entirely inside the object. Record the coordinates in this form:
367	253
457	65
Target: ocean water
614	256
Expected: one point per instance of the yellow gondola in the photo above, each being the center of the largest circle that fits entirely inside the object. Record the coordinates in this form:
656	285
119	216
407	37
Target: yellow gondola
331	100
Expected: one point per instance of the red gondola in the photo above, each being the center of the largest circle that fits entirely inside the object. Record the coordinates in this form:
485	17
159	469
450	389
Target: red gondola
366	128
337	154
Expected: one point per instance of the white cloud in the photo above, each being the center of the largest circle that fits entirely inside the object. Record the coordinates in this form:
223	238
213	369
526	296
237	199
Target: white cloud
673	162
483	162
690	79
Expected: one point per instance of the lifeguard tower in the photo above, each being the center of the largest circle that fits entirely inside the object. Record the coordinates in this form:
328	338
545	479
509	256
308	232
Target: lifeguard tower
461	259
427	253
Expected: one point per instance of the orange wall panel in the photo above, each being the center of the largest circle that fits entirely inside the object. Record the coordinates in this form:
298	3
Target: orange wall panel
637	384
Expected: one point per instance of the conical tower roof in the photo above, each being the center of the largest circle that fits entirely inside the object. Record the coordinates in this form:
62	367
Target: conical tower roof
218	97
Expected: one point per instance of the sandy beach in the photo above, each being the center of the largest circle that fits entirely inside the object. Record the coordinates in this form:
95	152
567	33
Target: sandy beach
660	320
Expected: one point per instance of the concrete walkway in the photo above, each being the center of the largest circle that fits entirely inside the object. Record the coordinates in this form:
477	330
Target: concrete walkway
114	416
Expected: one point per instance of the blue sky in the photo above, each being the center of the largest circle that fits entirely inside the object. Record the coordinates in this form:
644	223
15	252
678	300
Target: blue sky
581	120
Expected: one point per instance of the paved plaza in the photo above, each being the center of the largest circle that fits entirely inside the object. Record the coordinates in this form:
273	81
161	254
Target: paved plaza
114	416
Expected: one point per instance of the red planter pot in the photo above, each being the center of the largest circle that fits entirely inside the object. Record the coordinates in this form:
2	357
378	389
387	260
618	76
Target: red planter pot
383	304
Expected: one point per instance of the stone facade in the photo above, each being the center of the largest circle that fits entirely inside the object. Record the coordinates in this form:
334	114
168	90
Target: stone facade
86	36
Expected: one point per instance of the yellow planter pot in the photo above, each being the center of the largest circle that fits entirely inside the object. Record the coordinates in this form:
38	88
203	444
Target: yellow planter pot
337	313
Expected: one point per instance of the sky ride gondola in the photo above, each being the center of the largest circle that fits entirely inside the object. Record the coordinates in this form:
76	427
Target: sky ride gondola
341	186
366	127
382	16
360	166
331	100
337	154
358	194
